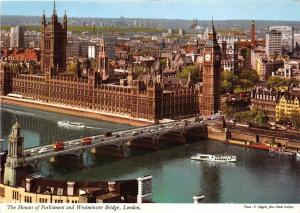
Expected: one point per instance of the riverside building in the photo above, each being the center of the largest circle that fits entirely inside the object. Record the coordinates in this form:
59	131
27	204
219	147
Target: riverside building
150	97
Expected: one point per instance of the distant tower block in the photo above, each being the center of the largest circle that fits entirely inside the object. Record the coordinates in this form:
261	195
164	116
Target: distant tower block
253	34
15	157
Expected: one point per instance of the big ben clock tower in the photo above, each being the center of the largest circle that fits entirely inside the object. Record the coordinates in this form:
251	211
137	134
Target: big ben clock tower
211	72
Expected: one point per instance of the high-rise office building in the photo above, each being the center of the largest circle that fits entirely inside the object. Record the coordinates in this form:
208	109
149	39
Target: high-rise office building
253	34
17	37
273	43
287	37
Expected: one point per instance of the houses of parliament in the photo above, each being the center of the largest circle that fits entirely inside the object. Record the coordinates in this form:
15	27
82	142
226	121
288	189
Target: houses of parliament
151	97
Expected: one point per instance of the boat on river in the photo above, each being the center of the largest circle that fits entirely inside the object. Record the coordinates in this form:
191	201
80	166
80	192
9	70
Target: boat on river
70	124
282	151
215	158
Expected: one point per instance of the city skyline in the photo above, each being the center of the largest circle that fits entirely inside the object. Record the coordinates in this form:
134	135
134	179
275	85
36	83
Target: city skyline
165	9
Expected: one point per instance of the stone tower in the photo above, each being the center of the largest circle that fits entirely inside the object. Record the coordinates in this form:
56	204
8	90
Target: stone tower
5	79
103	66
211	71
253	34
155	93
53	42
15	158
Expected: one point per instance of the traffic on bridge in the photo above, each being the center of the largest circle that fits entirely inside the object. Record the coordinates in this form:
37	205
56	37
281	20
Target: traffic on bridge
110	138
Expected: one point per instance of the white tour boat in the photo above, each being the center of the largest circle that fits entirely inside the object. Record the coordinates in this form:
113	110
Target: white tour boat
215	158
298	154
70	124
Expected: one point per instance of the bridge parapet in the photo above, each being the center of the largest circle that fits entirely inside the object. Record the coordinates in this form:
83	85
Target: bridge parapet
119	139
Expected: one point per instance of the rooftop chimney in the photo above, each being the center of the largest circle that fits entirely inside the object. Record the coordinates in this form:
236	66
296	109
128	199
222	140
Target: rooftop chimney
112	186
28	184
70	188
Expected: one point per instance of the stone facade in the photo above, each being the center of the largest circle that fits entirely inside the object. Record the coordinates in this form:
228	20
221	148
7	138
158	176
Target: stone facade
15	157
211	71
265	100
150	97
142	98
53	42
287	105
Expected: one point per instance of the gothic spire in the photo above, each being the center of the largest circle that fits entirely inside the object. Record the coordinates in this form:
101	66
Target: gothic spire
212	25
54	8
43	18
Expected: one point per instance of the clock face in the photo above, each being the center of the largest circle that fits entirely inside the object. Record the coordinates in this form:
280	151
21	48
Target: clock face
207	57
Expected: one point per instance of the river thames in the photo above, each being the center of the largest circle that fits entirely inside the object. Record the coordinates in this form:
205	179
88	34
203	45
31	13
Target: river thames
257	177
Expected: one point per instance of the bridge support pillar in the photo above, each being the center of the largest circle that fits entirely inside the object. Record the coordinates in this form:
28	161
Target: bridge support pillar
112	151
144	143
36	165
155	143
196	132
81	154
177	137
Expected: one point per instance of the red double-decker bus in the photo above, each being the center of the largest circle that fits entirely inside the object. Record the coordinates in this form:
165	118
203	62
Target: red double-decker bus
58	145
86	141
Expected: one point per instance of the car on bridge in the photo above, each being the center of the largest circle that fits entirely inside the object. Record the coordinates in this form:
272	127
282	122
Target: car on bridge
42	150
108	134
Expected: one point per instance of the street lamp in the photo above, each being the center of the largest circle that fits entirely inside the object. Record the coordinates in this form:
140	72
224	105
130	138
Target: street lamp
1	153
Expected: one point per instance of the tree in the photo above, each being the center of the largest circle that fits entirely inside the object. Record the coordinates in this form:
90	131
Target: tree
184	74
276	81
245	84
247	80
246	53
163	62
71	68
250	75
295	119
282	117
260	118
232	106
254	117
228	81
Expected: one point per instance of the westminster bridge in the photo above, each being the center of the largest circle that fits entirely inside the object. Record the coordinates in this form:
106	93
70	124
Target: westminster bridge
113	144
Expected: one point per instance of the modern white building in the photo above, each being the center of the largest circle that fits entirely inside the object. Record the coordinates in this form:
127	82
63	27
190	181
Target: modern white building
91	51
16	37
273	43
287	37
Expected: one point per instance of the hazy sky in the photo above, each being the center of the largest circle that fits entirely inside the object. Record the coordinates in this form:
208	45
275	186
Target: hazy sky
171	9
